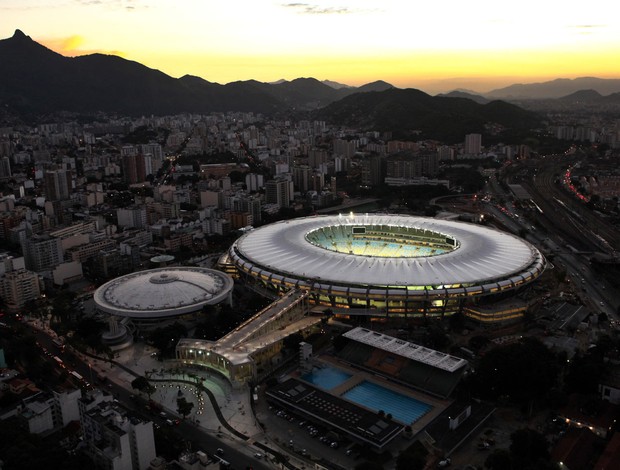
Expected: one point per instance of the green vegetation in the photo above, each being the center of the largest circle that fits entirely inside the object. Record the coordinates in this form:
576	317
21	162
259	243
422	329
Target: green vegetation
184	407
522	373
143	385
529	450
412	458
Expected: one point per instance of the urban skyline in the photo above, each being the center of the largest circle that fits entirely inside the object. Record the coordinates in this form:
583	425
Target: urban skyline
433	47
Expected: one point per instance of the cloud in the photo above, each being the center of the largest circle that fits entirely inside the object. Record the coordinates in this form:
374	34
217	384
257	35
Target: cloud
310	9
129	5
71	46
586	28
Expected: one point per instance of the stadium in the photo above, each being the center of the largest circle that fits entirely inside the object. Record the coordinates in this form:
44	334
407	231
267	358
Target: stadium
386	265
148	298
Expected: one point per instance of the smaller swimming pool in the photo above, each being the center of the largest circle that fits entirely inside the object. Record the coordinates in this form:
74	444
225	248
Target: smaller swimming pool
405	409
326	377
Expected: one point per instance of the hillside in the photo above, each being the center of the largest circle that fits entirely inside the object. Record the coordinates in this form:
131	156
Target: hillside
556	88
36	81
407	111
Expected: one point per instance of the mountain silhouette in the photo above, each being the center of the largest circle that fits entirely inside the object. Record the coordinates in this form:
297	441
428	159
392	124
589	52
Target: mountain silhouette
36	81
556	88
413	112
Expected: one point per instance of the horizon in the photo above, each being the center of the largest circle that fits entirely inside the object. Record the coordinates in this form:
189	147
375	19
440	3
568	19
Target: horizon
480	47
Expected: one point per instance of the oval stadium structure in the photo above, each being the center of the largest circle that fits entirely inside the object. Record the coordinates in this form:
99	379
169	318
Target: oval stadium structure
152	296
386	264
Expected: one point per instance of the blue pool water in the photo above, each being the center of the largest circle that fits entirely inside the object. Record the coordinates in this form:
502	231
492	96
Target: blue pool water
326	377
375	397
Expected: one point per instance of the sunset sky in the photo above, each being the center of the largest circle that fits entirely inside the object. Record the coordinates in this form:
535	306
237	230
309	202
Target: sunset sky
435	46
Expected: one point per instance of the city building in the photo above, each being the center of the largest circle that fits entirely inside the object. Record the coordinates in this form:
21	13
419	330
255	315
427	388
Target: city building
410	166
42	252
279	191
18	287
57	185
372	171
135	168
5	168
115	438
132	217
473	144
45	412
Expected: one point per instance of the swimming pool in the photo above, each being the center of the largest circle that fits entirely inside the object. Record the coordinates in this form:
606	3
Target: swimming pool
405	409
326	377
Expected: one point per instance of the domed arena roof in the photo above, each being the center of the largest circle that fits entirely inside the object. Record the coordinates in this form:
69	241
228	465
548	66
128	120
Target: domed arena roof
387	251
163	292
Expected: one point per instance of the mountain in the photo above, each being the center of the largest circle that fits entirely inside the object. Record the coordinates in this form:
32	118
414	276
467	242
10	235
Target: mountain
407	111
556	88
583	96
379	85
335	85
463	94
306	93
36	80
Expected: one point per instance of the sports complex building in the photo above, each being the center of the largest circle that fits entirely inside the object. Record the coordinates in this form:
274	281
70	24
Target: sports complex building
147	299
373	388
386	265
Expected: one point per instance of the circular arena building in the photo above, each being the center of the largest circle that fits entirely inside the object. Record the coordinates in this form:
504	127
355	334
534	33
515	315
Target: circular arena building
150	297
386	264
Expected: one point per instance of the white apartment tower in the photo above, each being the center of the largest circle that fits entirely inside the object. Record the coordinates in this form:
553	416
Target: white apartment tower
473	144
279	192
115	438
132	217
42	252
19	287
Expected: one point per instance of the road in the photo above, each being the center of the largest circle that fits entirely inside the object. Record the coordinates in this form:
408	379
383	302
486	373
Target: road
238	454
564	214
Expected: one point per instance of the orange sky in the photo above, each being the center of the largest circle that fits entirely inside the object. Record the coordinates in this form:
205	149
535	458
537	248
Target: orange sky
434	46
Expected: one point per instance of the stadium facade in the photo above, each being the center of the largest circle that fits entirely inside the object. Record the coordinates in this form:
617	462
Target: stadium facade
386	265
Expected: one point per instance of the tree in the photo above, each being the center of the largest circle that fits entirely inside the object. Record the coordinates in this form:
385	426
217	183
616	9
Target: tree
368	465
143	385
408	461
585	372
528	449
523	372
500	459
184	407
412	458
61	306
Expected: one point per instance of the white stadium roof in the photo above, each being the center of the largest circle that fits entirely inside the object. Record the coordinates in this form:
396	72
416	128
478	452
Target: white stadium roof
164	292
482	254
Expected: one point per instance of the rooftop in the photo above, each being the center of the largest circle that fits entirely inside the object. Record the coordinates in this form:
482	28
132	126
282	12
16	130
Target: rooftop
163	292
407	349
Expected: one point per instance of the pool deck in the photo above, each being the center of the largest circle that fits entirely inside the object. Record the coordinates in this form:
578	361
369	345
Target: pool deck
438	405
359	422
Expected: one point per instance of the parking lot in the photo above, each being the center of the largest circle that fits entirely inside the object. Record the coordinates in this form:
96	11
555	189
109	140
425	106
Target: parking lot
307	440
